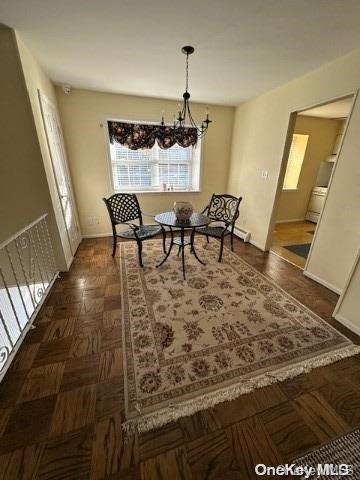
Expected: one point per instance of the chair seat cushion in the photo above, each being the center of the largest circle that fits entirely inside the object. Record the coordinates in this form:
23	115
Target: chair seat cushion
212	231
144	231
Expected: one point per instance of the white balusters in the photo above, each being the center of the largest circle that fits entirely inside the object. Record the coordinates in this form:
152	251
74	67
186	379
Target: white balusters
27	271
28	314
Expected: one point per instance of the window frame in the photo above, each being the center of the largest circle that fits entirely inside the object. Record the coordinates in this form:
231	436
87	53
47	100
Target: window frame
151	190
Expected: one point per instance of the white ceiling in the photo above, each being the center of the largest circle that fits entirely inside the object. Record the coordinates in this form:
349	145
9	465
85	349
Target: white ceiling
338	109
243	47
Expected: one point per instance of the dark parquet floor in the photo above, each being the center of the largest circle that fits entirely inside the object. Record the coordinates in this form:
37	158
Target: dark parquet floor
61	402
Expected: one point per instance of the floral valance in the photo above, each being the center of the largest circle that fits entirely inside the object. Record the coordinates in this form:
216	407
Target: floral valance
138	135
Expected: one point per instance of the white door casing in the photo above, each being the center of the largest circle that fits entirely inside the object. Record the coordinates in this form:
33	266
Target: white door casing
59	163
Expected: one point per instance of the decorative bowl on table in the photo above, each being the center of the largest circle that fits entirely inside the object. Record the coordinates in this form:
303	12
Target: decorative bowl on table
183	211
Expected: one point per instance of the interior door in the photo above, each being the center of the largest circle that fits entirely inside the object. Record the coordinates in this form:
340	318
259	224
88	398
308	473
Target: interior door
60	169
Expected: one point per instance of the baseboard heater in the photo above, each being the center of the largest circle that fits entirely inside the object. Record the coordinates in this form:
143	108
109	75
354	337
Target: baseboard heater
243	234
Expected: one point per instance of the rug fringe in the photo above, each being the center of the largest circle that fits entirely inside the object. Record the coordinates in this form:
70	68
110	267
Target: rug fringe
171	413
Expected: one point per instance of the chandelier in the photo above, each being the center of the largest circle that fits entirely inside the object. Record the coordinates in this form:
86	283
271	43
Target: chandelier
185	118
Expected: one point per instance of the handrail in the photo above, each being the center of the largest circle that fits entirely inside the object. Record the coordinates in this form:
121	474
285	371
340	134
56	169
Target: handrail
23	230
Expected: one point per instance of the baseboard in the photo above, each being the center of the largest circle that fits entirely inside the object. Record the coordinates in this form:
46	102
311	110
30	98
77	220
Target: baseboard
322	282
238	232
347	323
258	245
246	236
69	263
291	220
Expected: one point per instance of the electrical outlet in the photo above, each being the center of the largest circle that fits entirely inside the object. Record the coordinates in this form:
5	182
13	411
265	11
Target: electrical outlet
264	174
93	220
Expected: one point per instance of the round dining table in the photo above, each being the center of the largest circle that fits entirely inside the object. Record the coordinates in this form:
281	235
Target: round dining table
168	219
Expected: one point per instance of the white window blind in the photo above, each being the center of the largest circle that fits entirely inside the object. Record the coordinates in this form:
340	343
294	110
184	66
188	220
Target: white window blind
154	169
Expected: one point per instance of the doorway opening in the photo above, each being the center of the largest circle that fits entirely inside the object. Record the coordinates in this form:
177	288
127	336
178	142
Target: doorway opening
316	140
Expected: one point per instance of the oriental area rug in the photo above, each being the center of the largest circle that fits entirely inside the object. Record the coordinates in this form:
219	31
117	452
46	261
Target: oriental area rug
221	333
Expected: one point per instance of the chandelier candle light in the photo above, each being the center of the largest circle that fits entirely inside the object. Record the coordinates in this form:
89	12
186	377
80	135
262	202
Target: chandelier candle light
184	114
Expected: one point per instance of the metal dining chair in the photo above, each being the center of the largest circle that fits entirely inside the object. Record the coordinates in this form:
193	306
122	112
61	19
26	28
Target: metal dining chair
123	209
222	208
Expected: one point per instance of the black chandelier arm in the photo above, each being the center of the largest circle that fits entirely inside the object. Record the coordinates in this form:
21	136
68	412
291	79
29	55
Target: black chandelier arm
200	130
182	118
192	121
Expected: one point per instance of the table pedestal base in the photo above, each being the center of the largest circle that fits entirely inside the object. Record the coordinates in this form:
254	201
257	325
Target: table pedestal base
182	242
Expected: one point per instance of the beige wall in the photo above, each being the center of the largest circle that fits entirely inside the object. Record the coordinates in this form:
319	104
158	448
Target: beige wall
322	133
82	112
36	78
24	193
348	307
259	136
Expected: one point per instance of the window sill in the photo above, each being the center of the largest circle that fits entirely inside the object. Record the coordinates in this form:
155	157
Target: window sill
156	191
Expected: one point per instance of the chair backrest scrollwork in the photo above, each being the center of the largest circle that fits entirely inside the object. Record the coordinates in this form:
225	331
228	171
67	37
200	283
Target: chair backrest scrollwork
224	208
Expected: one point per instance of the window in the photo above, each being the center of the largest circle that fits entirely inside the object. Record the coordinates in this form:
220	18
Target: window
155	169
295	161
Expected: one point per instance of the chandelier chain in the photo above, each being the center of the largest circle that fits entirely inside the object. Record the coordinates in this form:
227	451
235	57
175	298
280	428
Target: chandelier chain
187	72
